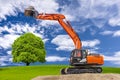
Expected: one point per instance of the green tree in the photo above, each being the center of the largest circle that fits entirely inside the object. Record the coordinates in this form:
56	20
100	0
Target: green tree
28	48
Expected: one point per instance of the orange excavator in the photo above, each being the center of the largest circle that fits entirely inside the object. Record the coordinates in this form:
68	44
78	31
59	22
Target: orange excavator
81	61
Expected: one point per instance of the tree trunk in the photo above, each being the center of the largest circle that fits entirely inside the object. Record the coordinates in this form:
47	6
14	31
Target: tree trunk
27	64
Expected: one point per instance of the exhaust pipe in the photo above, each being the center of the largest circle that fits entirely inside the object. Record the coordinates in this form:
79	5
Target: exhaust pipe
30	11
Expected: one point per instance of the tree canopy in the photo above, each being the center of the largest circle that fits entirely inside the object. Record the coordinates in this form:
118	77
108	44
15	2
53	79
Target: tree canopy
28	48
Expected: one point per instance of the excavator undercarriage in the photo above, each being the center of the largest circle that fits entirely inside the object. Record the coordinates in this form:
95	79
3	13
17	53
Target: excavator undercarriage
81	69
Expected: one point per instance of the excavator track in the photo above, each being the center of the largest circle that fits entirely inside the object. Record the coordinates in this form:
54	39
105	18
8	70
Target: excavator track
79	70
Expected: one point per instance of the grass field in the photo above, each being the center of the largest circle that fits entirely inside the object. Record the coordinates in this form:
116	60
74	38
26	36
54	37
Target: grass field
29	72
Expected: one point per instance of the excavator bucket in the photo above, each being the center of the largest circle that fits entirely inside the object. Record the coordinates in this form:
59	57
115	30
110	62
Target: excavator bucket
30	11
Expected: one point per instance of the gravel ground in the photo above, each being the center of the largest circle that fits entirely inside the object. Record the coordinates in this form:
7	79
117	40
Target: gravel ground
81	77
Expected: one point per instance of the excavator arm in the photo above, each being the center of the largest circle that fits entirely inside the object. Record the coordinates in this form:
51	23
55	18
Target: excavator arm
61	19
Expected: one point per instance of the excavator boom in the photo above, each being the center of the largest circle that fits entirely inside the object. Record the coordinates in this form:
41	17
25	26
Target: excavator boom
65	24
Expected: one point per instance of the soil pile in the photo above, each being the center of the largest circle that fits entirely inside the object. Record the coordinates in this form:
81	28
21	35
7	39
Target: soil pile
81	77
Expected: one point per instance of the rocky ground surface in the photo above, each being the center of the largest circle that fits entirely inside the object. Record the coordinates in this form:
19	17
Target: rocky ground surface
80	77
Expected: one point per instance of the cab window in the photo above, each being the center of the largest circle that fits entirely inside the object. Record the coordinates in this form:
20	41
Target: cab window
77	54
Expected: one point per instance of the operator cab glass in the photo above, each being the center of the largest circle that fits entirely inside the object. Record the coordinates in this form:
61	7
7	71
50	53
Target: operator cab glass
84	53
79	53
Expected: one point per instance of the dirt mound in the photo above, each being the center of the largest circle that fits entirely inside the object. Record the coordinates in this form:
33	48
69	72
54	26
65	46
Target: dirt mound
81	77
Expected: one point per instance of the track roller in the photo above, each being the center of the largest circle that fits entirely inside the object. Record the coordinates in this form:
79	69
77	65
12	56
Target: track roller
98	70
63	71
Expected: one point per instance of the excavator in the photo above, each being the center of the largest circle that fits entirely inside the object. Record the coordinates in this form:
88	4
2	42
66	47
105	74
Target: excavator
81	61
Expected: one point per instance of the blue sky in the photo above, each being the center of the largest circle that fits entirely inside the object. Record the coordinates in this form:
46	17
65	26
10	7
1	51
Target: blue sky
97	23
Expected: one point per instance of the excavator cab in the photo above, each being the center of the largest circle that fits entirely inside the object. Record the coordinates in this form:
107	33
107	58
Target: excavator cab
78	57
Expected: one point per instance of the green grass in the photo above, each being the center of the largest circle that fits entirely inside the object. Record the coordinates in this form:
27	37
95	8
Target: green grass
29	72
111	70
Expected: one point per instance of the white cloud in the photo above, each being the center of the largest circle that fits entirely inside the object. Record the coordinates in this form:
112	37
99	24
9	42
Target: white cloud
3	59
116	33
7	60
65	43
18	28
115	59
47	23
55	58
9	52
98	11
115	21
3	64
7	40
90	43
113	33
112	58
10	7
117	54
6	8
106	32
101	10
42	37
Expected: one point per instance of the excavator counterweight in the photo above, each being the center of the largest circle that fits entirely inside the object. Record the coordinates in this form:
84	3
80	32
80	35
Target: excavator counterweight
81	61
